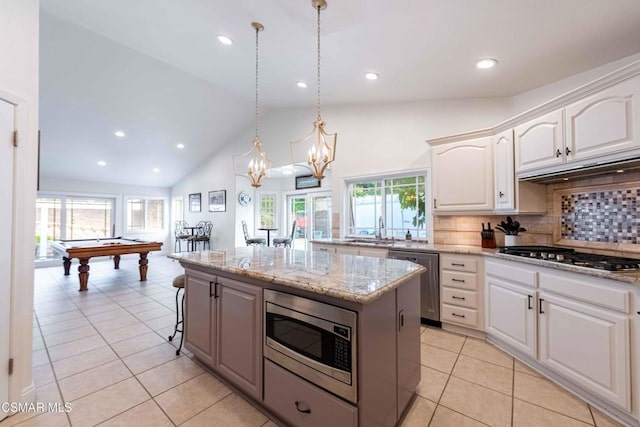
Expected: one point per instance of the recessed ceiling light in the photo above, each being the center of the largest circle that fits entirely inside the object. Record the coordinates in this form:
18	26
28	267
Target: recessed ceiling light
225	40
565	179
102	163
180	146
485	63
372	76
301	84
119	134
156	170
620	170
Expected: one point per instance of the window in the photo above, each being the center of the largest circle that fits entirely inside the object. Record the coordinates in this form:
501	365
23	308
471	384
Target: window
267	211
145	214
71	217
399	201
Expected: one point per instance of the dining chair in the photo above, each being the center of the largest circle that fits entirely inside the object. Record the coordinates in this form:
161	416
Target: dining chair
286	241
252	240
204	234
180	235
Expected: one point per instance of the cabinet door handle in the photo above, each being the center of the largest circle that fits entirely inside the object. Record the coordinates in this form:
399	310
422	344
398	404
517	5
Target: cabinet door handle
401	318
455	297
458	315
457	264
215	290
567	151
558	153
501	194
457	280
540	306
435	204
306	411
529	301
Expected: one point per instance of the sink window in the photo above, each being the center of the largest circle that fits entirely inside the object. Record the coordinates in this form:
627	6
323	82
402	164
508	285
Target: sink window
401	201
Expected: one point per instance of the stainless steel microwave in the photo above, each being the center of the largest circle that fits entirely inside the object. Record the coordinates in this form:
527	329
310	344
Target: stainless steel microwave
317	341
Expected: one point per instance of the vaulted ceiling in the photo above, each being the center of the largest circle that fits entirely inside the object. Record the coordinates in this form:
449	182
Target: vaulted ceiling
155	69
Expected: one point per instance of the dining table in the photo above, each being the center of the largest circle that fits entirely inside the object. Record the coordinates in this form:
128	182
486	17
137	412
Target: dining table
268	230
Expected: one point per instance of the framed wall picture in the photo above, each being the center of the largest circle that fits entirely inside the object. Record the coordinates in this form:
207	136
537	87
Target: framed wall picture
307	181
218	201
194	202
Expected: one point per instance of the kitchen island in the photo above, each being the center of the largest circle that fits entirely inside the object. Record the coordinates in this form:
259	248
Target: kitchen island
233	325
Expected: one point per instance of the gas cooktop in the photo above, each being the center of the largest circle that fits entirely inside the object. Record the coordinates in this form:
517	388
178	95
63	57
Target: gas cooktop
570	256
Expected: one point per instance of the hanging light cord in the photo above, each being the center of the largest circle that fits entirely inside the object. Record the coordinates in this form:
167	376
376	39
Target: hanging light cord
318	106
257	31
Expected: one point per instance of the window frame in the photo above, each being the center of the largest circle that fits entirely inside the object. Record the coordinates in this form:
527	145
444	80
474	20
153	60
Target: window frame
426	173
258	212
146	200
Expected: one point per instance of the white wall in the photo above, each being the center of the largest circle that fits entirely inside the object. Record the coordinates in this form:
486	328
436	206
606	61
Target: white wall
372	139
19	78
528	100
119	192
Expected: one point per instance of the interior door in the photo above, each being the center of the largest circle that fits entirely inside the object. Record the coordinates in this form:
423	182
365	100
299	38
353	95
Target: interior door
7	126
297	211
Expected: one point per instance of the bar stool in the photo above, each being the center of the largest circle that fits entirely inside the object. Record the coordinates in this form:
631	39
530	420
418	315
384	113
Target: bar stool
178	282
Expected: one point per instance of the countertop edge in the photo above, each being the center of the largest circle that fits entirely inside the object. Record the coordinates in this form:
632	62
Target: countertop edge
631	278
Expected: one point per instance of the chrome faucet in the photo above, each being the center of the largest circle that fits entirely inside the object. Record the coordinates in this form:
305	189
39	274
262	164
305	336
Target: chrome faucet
380	227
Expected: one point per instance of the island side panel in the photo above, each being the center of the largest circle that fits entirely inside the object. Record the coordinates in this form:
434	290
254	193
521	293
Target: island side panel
408	300
377	380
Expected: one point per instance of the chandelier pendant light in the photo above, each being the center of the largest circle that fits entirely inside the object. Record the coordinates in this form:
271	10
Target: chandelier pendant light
319	145
259	165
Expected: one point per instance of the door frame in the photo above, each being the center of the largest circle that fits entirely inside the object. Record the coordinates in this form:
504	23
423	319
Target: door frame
308	195
20	299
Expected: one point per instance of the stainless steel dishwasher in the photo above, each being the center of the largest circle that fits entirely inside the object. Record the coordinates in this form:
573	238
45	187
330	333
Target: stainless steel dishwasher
429	283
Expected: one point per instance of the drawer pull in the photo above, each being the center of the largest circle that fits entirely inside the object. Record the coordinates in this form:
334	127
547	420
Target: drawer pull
458	280
457	264
306	411
455	297
458	315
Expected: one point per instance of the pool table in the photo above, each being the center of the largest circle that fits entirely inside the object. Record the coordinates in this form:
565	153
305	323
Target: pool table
84	249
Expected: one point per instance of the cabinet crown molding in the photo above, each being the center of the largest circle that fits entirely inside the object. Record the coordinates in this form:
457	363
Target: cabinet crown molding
615	77
460	137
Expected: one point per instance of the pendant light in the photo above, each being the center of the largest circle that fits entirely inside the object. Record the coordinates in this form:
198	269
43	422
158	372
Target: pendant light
319	145
259	165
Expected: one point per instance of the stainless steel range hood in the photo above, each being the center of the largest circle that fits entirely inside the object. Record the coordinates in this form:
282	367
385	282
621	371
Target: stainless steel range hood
585	171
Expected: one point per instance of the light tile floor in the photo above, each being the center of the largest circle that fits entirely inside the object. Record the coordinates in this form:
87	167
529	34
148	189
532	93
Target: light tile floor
105	353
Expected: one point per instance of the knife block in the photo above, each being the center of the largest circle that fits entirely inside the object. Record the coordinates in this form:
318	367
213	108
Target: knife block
488	239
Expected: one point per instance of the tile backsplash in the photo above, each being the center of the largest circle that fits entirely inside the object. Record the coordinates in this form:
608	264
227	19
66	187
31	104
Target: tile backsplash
600	216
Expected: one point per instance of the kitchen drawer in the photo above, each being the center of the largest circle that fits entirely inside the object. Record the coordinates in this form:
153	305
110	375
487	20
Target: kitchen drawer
513	272
593	290
323	248
460	315
288	395
459	297
458	263
454	279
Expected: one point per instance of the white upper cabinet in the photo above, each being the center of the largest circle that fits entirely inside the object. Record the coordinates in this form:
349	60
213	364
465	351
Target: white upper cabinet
600	128
605	123
504	189
463	176
539	143
511	196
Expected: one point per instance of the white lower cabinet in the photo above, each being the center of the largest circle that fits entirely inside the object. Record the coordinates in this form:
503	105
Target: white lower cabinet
461	290
587	345
574	325
511	315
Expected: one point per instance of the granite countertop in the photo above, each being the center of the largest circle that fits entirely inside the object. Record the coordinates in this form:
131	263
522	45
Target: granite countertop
407	245
632	277
348	277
